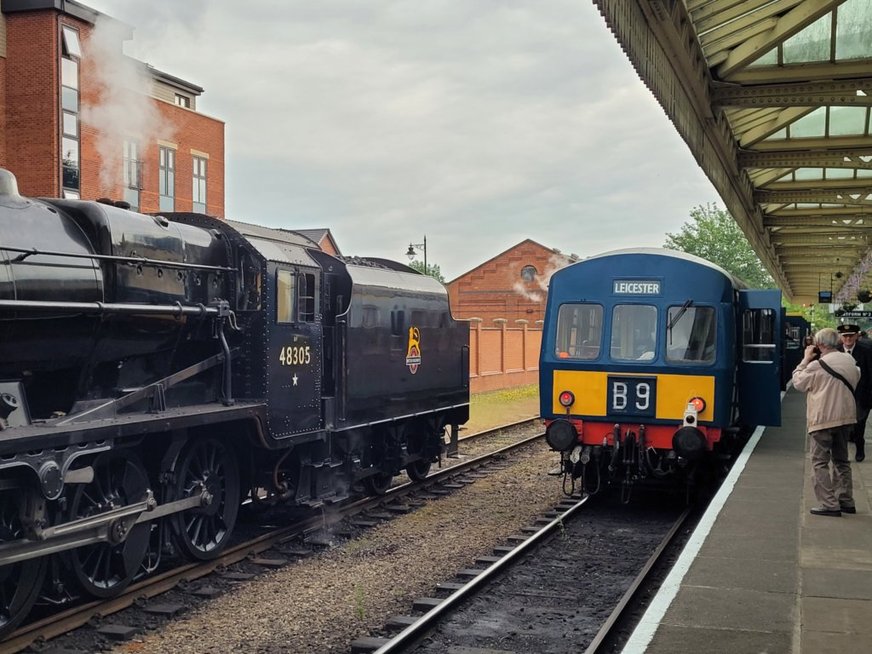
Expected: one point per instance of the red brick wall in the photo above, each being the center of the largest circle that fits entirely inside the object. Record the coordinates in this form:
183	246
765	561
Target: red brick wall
186	129
30	124
32	102
3	158
496	290
503	356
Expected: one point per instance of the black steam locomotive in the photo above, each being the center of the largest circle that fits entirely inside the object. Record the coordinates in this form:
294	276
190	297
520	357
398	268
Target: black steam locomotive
156	371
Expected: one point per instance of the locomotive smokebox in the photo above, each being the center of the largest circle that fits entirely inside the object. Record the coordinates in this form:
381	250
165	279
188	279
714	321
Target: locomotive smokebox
59	257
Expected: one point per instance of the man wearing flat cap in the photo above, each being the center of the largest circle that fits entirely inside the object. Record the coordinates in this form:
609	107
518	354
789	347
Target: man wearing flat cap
862	353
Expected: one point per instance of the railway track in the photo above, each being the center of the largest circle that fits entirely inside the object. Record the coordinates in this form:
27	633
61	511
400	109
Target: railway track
489	611
59	623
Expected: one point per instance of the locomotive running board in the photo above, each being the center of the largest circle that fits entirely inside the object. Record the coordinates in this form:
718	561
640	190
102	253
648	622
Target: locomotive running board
155	390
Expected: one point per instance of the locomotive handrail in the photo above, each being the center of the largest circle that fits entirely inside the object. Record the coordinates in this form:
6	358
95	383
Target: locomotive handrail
24	253
178	309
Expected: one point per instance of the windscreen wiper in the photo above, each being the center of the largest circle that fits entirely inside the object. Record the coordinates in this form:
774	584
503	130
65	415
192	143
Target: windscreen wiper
681	312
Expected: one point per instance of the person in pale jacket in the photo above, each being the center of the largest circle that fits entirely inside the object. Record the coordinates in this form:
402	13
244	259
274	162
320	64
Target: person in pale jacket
829	377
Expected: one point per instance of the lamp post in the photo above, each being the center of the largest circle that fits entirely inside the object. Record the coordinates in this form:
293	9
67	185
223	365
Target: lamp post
418	246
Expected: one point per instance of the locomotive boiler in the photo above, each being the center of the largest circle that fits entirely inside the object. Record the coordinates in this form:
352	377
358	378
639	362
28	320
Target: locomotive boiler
155	371
655	364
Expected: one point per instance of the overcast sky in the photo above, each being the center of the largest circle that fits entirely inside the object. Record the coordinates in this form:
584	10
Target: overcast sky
475	123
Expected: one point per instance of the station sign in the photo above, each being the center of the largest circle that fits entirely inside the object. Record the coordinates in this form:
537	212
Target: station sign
636	287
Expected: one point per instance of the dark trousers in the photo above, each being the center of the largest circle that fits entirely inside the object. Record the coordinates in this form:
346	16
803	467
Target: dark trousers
858	433
832	485
859	429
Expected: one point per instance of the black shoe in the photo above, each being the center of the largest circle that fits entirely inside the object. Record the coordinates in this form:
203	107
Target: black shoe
861	452
848	509
819	510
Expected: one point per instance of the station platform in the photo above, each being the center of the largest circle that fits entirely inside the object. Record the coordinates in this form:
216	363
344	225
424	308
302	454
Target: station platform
760	573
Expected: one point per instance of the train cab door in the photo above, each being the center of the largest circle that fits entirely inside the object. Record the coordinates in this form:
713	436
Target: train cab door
759	353
295	353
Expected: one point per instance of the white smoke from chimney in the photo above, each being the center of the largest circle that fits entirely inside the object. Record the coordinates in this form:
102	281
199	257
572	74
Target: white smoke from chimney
519	288
121	108
555	263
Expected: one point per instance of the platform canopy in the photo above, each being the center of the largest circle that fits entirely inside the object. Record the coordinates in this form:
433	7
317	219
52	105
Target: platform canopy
773	97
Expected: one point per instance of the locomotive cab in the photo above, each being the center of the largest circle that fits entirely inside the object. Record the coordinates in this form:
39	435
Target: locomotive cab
652	361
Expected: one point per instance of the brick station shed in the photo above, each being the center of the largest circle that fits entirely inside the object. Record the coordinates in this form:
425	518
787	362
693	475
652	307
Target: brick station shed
504	300
511	286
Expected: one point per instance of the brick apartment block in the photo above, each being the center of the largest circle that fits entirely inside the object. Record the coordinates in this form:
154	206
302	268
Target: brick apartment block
78	118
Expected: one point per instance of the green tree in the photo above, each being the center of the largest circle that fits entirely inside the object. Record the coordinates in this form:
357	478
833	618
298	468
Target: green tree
711	233
432	270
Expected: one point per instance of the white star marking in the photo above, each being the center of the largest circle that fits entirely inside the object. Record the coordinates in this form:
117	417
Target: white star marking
294	378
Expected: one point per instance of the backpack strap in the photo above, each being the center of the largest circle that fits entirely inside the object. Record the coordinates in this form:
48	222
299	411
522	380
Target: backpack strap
836	375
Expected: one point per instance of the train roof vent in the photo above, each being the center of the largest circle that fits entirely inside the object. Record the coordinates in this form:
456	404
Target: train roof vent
8	183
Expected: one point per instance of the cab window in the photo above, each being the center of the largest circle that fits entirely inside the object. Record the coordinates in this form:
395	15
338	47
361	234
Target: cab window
284	296
634	332
690	334
758	336
306	297
579	331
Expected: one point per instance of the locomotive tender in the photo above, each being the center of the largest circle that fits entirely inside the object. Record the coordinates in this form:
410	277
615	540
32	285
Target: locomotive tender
653	364
157	370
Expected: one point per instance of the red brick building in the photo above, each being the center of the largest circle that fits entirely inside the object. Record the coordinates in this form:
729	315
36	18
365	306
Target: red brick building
513	285
80	119
323	238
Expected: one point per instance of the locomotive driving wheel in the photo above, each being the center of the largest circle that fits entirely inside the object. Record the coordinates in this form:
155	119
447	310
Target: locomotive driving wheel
378	484
418	470
418	437
105	569
19	582
207	467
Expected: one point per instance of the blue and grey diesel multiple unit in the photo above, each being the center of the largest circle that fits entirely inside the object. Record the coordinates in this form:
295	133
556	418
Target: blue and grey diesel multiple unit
654	362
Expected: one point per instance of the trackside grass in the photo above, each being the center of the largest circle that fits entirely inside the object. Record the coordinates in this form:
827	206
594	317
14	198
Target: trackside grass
487	410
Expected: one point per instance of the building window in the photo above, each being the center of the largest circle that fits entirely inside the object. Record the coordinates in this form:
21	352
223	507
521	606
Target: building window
528	273
70	161
132	174
199	190
183	101
71	52
71	42
167	179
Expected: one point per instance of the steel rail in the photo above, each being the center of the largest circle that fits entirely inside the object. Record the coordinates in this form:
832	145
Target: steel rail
495	430
58	624
417	629
637	584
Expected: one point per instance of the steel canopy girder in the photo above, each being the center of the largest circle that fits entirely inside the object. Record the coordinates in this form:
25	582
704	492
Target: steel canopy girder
846	196
811	94
834	243
835	213
848	222
812	144
842	158
854	68
838	185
